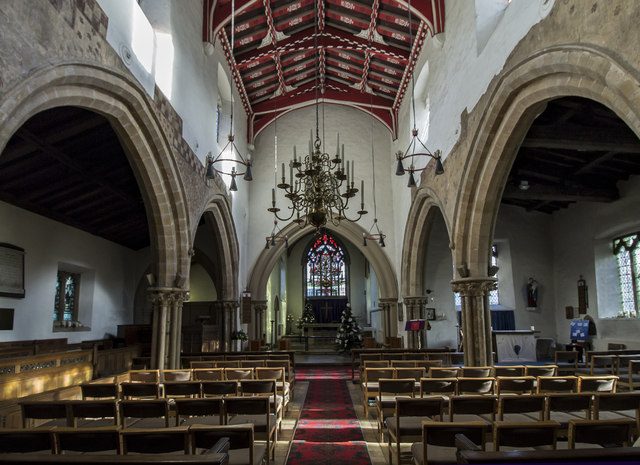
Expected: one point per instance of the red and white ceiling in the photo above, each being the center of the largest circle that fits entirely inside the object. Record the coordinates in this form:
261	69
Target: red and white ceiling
365	52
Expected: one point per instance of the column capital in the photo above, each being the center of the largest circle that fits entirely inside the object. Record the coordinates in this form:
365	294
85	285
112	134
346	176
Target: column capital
415	300
474	287
259	305
167	295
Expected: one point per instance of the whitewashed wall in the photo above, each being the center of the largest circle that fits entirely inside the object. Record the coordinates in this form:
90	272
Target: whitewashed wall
108	284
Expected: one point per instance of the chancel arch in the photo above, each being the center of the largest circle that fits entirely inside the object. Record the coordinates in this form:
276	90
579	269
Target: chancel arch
348	232
517	98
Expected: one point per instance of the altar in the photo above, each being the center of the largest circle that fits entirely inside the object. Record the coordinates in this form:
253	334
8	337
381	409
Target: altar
515	346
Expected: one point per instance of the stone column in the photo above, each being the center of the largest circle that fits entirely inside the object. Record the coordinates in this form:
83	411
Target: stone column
476	319
259	308
386	306
166	330
230	308
415	306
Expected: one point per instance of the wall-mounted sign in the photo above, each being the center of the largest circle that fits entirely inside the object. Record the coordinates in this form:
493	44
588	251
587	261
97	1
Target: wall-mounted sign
11	271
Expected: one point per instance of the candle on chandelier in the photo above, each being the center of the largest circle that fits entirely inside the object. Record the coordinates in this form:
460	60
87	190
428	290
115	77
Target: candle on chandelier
294	153
338	145
353	170
283	172
273	196
290	173
362	191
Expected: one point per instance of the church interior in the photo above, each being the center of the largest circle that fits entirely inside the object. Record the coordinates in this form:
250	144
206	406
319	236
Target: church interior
333	196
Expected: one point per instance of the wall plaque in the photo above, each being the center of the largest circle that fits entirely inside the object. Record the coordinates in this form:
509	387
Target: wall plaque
246	307
11	271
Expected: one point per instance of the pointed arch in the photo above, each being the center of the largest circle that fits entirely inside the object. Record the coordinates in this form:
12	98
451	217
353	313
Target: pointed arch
424	208
518	97
133	117
217	216
259	274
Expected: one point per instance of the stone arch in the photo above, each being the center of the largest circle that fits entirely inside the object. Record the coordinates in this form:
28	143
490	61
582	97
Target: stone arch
352	232
425	206
200	257
133	117
519	95
217	216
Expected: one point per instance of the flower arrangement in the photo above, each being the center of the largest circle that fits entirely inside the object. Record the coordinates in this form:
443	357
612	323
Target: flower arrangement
349	335
307	316
239	335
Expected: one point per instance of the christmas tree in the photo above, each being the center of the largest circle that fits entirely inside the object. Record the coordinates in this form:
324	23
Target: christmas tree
349	335
307	316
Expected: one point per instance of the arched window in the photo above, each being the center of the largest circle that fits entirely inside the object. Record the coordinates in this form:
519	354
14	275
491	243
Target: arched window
325	270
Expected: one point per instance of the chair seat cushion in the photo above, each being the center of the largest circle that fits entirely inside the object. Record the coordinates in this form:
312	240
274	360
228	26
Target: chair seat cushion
241	456
409	426
436	454
259	421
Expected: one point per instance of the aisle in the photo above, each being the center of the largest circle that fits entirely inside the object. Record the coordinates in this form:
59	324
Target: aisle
328	430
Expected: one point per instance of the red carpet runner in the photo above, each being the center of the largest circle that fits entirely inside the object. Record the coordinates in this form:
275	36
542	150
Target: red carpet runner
328	430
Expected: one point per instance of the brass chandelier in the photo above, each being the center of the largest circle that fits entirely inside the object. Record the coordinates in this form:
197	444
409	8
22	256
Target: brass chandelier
320	185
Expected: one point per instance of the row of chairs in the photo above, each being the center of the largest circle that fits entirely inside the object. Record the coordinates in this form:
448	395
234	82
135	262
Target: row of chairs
438	440
470	372
196	439
404	422
157	413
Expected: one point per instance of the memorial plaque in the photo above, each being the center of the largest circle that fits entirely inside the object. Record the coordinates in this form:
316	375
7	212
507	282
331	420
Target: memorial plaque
11	271
246	307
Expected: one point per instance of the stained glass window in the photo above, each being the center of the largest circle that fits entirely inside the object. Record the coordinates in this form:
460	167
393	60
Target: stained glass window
325	269
66	303
494	298
627	253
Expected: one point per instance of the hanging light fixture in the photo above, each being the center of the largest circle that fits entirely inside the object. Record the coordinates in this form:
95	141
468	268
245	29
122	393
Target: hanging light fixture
374	233
320	185
413	151
276	237
220	164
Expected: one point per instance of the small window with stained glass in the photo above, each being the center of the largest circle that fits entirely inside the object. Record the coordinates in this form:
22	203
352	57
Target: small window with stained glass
627	253
66	303
325	268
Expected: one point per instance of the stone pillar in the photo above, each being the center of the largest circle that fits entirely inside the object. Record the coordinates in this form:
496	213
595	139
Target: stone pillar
388	317
259	308
476	319
166	330
230	308
415	306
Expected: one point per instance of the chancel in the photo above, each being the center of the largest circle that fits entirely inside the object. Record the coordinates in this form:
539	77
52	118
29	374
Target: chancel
331	215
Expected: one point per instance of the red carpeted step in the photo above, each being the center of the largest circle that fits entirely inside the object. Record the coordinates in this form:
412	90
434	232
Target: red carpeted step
328	431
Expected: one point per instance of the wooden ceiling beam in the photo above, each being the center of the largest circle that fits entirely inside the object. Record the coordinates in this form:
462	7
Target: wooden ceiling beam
561	193
581	138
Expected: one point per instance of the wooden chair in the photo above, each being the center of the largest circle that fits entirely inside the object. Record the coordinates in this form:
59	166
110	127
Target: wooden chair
406	423
403	363
388	391
93	413
26	440
511	371
521	409
144	376
238	374
427	364
289	375
256	410
438	440
609	406
99	391
140	390
197	364
145	413
282	385
547	384
540	370
219	388
264	387
567	361
235	358
473	408
252	363
514	385
242	447
173	376
370	384
475	385
443	387
416	356
44	413
155	441
373	364
203	411
475	372
181	389
631	379
597	383
416	373
444	372
228	364
208	374
528	435
605	433
562	407
105	440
